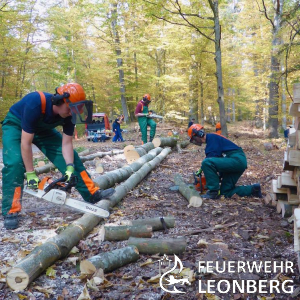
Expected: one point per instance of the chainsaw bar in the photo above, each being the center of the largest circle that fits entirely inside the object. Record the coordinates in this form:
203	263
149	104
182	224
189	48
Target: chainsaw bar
60	197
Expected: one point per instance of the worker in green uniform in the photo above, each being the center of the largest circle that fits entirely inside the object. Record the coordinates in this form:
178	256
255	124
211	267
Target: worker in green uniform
142	113
225	163
32	120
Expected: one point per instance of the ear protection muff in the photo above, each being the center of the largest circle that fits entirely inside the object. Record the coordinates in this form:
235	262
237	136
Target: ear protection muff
58	99
199	133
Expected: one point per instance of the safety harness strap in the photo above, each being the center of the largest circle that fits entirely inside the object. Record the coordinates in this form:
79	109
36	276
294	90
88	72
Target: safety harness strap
43	102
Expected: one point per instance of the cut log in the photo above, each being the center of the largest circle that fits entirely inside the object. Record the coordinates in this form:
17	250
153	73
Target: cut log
188	192
284	208
268	199
99	167
293	110
285	180
294	157
110	261
48	167
84	152
292	196
296	92
296	229
134	154
164	142
155	223
161	246
41	163
58	247
277	190
116	176
121	233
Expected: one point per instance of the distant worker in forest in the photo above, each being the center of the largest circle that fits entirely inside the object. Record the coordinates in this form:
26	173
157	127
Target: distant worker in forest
117	130
191	123
32	120
218	128
225	162
142	113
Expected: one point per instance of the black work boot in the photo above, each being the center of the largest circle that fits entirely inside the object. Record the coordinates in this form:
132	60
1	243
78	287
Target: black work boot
215	194
101	194
256	190
11	221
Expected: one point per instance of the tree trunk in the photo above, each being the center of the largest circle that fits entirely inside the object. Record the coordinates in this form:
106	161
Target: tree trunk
110	261
214	4
58	247
164	142
119	60
155	223
161	246
116	176
48	167
188	192
121	233
275	70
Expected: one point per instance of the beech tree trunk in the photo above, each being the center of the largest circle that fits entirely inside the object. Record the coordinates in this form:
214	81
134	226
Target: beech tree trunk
116	176
58	247
164	142
110	261
188	192
155	223
161	246
121	233
48	167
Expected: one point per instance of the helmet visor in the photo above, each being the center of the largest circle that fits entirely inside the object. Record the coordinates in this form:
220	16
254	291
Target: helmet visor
82	112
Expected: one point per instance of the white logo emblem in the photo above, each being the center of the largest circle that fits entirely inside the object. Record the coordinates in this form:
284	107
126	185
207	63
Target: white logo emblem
172	279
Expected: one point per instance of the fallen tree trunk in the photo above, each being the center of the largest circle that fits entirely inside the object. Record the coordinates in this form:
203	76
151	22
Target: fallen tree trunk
49	167
121	233
188	192
58	247
134	154
161	246
116	176
164	142
155	223
110	261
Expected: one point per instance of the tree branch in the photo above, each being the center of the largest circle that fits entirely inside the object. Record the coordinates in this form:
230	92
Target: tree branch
265	12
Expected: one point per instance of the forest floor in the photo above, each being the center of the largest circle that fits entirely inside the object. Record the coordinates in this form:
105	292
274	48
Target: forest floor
250	231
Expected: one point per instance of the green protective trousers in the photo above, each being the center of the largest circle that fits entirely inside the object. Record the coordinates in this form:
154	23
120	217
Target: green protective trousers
232	166
49	141
144	122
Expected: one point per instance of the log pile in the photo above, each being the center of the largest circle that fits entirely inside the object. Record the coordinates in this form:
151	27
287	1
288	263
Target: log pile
59	246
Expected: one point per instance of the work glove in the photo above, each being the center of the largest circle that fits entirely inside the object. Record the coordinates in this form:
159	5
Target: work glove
198	173
69	174
32	180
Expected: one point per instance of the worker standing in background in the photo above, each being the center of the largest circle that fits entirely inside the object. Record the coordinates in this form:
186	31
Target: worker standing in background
218	128
142	113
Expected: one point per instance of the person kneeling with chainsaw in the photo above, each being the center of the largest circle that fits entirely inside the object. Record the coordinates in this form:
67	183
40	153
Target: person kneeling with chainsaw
32	120
222	157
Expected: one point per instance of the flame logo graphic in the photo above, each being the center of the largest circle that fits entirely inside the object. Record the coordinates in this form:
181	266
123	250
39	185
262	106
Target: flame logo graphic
177	261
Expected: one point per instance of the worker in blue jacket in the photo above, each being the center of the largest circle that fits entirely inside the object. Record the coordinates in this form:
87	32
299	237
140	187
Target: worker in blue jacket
222	157
117	131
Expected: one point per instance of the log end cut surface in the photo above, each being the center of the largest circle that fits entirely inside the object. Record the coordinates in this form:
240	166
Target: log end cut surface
195	201
87	267
156	142
17	279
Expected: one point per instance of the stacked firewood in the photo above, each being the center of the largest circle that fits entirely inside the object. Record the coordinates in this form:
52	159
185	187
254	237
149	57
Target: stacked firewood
285	190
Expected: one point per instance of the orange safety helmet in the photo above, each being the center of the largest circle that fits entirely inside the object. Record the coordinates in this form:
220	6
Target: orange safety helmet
194	129
75	91
146	97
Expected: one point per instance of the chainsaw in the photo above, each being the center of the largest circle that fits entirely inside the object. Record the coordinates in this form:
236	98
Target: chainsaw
199	182
155	116
57	193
